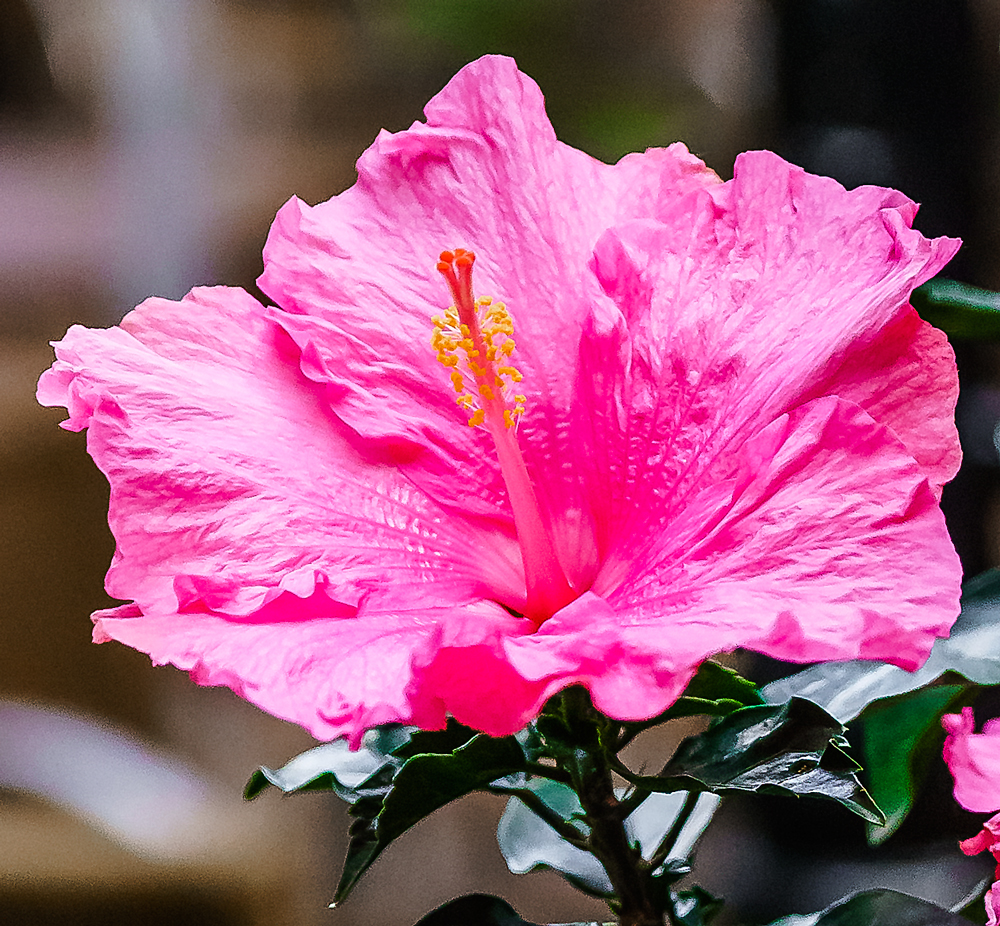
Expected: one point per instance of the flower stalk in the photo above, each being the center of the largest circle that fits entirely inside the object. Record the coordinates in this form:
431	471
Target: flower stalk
590	769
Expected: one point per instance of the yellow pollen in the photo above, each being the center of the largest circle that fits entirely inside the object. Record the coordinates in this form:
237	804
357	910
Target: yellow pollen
473	340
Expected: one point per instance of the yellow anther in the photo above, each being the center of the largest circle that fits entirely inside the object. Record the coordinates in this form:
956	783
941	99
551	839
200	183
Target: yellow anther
472	340
520	398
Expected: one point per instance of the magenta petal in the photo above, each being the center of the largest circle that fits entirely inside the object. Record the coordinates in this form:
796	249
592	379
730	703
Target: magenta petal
827	543
484	172
789	557
335	677
786	288
993	904
230	481
974	762
588	643
736	433
906	378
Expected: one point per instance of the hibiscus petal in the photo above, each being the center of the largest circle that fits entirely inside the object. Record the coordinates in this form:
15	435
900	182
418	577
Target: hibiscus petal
825	500
722	431
484	172
906	379
724	318
826	544
230	480
974	762
587	643
335	677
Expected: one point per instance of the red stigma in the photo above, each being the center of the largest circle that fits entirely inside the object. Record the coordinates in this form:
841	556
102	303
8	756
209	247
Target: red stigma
456	267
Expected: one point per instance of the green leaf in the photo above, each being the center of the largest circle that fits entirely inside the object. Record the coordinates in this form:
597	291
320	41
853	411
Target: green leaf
474	910
898	736
960	310
878	908
845	689
441	742
423	784
336	767
718	683
695	907
528	843
715	690
794	749
331	767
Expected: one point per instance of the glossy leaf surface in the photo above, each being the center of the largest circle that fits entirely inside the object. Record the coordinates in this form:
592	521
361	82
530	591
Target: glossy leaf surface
695	907
474	910
329	767
878	908
529	843
960	310
794	748
424	783
845	689
899	735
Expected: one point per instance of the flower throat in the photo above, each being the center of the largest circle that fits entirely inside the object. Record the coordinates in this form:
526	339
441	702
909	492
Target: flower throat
474	341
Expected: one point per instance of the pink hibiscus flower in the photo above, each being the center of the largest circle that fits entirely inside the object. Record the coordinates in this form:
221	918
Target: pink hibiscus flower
974	762
735	431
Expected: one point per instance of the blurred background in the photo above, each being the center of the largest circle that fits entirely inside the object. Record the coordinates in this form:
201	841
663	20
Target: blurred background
145	147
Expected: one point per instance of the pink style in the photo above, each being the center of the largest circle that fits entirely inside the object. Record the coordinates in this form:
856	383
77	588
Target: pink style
733	432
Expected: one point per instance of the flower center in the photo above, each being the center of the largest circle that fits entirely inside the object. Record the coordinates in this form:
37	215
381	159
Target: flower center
474	341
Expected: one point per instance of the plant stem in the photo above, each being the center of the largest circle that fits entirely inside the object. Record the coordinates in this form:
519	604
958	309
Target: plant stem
534	803
629	873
